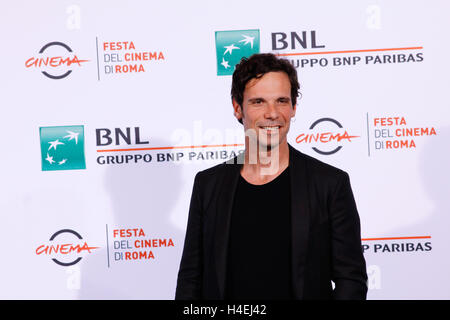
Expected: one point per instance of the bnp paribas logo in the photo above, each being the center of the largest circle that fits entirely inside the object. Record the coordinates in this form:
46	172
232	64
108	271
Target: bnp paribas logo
62	148
232	46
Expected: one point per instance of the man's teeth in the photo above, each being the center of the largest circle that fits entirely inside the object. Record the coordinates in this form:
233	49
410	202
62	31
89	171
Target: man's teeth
271	128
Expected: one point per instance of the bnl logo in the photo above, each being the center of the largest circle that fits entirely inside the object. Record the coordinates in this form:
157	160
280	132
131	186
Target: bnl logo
232	46
62	148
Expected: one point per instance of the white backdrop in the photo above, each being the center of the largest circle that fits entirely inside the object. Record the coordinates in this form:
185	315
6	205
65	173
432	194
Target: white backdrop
395	78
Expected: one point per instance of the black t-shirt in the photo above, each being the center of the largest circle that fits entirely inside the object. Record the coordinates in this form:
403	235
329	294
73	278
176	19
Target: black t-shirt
259	255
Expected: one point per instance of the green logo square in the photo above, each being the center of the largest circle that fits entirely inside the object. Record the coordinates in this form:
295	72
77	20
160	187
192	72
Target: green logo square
62	148
232	46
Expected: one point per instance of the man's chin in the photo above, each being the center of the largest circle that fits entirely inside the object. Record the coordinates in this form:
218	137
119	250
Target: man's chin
268	145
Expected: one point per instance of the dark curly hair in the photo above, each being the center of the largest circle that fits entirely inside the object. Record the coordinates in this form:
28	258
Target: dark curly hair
255	67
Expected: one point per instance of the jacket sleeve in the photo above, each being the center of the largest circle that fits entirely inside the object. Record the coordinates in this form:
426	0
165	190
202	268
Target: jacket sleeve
189	282
348	265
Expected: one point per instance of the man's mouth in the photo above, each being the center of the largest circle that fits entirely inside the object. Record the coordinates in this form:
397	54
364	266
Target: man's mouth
270	129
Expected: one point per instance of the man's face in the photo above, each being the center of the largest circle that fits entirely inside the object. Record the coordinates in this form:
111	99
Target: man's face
267	108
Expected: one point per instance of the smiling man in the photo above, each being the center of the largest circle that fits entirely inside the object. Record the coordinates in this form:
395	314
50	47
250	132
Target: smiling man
265	108
274	223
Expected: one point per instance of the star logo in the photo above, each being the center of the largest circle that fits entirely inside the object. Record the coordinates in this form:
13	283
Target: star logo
230	49
50	159
62	148
225	63
54	144
248	39
72	135
232	46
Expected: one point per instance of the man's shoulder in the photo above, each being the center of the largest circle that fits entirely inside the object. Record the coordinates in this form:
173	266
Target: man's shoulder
316	167
215	172
225	167
212	171
210	180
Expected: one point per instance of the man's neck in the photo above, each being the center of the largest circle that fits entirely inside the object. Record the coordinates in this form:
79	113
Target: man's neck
265	165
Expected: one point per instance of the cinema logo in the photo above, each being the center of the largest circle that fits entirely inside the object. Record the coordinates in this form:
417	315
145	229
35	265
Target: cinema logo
65	247
120	57
55	60
326	136
134	244
393	133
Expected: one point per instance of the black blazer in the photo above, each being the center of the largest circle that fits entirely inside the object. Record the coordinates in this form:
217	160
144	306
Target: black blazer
326	239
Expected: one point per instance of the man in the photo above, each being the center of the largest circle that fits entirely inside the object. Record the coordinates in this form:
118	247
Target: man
274	224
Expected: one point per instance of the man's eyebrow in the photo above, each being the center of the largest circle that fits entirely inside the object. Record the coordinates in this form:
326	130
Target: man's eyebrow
255	98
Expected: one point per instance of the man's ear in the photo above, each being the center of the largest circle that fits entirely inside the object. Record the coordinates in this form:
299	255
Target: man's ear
237	110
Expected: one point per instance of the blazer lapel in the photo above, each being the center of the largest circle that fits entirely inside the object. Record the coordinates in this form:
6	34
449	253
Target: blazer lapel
299	218
224	208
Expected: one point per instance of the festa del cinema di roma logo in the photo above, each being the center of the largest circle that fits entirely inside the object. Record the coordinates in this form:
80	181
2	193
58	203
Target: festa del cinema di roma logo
65	246
62	148
232	46
324	137
55	60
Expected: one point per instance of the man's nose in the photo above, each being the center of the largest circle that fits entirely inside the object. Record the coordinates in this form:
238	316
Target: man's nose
271	111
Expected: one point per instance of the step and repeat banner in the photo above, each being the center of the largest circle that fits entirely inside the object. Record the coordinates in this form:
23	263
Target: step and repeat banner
110	108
